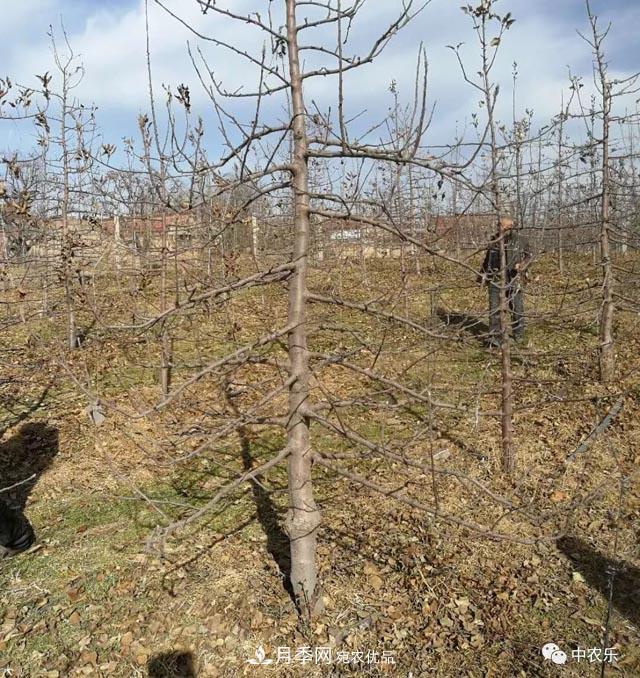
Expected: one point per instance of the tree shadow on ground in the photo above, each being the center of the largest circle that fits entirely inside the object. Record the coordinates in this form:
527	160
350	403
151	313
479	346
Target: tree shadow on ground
598	570
23	459
175	664
464	447
471	324
278	544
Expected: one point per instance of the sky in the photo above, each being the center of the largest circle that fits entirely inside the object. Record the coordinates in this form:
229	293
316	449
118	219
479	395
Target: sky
109	37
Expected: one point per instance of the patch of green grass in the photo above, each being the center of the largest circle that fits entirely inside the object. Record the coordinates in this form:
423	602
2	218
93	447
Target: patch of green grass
63	526
591	329
91	533
126	376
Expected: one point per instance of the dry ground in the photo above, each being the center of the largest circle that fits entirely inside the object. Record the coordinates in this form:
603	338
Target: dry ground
90	599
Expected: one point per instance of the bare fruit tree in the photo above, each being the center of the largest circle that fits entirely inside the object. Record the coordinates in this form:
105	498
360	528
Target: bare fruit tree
339	199
330	142
608	91
483	18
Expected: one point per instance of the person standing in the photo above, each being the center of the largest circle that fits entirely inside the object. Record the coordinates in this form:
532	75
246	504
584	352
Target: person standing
518	256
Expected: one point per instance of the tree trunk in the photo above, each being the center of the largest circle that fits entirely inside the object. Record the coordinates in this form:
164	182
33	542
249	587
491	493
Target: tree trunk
508	448
560	193
166	363
303	517
607	356
67	246
508	457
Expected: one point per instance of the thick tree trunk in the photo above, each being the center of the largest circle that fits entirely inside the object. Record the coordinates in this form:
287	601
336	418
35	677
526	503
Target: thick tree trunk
303	517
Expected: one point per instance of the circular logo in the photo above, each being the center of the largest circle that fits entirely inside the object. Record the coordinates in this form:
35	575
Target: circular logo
549	649
559	657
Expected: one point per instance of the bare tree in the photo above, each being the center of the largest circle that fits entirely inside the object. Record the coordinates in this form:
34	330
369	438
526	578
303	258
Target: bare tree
608	90
483	17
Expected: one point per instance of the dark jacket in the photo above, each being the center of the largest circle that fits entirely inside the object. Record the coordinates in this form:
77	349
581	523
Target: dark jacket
517	251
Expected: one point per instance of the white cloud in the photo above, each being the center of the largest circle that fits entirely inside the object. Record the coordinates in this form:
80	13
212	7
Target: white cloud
20	18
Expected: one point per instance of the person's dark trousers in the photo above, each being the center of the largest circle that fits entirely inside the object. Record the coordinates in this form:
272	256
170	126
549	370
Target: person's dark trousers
516	306
16	533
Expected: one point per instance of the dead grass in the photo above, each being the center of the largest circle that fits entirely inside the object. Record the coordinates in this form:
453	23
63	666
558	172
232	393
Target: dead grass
91	601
